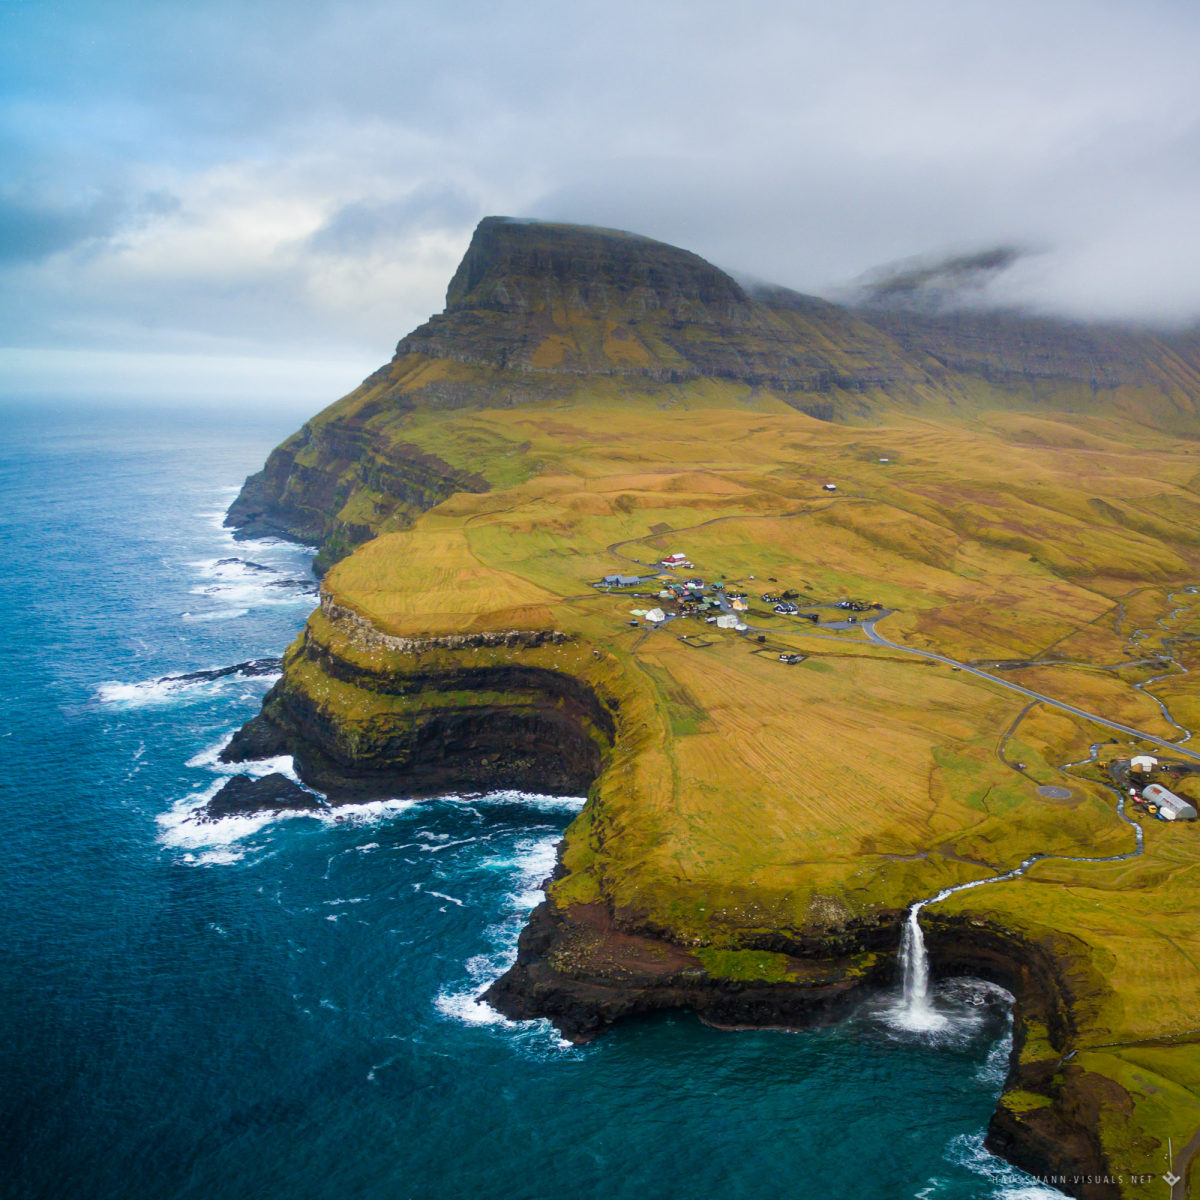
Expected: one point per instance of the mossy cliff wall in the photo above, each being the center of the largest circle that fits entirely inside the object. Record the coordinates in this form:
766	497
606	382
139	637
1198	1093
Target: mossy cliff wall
368	715
336	484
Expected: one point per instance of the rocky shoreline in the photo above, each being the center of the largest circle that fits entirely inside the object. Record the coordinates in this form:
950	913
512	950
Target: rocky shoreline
584	967
584	971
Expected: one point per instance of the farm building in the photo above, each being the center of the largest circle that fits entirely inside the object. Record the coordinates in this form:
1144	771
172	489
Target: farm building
1170	806
620	580
1143	764
656	616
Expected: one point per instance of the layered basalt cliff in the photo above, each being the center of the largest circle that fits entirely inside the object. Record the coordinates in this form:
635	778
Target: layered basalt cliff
368	716
335	484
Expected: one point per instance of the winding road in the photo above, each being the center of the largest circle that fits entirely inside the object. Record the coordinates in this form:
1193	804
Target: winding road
875	636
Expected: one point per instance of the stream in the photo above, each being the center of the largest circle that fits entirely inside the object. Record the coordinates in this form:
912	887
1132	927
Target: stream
914	1008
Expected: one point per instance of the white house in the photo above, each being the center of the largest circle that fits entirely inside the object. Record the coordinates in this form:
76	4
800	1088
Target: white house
1170	806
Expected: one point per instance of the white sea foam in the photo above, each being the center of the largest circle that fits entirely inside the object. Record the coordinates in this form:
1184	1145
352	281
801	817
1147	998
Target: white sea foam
258	592
221	856
182	829
151	691
537	800
995	1069
237	577
370	812
1009	1183
531	862
216	615
169	691
208	757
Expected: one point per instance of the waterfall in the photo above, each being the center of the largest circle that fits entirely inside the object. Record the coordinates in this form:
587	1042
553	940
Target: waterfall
916	1011
914	963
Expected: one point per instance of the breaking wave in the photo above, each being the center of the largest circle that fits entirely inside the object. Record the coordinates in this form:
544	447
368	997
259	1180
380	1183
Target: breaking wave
168	689
530	862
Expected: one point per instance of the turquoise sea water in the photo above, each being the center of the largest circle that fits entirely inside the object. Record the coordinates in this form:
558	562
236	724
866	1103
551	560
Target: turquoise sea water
285	1008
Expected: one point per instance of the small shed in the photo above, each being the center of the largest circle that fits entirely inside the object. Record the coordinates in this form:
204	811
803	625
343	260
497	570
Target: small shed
1143	764
1170	806
830	487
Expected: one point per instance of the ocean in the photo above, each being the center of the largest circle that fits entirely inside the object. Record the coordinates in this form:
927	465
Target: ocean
285	1007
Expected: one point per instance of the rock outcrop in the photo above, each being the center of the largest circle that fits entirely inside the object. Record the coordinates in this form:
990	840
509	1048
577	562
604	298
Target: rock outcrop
243	795
366	716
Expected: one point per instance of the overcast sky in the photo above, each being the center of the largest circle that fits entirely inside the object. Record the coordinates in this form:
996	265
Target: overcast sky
264	196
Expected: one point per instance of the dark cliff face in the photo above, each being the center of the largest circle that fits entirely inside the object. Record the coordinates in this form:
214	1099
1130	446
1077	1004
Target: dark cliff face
519	266
562	300
410	730
305	490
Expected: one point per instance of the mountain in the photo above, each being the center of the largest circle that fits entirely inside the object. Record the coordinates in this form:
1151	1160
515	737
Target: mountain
543	312
1007	511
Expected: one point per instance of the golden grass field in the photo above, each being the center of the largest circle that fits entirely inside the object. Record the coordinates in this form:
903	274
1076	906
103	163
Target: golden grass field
751	795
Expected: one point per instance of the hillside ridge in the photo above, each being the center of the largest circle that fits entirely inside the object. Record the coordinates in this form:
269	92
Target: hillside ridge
543	312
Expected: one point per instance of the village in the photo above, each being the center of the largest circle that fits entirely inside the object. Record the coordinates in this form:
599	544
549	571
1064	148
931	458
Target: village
722	604
678	595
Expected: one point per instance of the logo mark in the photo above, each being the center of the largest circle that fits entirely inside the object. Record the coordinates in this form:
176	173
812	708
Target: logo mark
1171	1178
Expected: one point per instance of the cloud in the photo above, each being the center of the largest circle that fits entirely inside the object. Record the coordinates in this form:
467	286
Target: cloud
33	228
950	282
327	161
363	225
